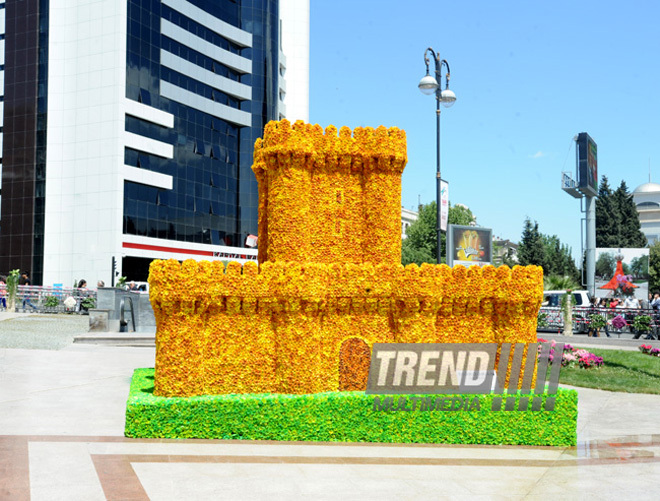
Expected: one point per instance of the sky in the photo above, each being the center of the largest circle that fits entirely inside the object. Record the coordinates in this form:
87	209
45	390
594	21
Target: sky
528	77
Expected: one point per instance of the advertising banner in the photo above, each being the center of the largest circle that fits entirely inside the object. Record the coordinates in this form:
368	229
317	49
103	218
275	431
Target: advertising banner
469	245
444	204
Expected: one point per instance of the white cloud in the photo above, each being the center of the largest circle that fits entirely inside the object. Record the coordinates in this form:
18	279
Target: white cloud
538	154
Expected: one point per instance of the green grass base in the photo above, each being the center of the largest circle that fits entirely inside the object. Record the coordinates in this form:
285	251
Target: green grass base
339	417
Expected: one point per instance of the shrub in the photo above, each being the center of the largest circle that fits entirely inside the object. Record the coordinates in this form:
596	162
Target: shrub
572	356
650	350
642	323
51	302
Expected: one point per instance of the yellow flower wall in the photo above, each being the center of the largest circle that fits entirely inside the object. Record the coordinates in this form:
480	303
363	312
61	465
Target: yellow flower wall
280	327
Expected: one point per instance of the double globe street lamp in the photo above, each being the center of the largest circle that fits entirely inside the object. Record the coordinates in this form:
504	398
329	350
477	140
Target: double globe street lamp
430	85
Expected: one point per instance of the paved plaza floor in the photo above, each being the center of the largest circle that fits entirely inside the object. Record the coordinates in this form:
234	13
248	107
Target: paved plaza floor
61	438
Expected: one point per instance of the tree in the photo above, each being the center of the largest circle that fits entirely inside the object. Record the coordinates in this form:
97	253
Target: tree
608	219
617	219
559	258
639	267
606	265
559	283
654	267
532	249
630	230
419	246
420	243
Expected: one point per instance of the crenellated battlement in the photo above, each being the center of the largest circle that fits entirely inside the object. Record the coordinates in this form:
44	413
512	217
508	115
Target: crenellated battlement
210	280
311	147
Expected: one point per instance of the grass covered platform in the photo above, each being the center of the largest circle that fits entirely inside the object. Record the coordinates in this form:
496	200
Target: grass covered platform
340	417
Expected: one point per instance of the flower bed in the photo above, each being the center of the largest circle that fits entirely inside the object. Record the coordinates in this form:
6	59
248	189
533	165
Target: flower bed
650	350
573	357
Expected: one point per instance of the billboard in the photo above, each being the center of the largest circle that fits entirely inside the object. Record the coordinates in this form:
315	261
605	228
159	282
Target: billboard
622	272
587	165
469	245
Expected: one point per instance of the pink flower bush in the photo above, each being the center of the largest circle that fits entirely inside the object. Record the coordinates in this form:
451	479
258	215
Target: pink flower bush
572	356
650	350
589	361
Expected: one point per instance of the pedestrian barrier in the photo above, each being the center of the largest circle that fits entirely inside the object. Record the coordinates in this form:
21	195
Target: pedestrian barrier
55	299
582	320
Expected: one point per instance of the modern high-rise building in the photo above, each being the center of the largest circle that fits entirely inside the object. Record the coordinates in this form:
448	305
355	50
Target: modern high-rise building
128	128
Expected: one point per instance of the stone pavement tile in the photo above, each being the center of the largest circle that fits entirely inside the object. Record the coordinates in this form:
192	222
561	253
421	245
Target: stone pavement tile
14	469
294	481
610	482
67	392
63	471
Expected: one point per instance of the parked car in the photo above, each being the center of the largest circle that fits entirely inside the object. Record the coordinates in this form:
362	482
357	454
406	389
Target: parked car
551	307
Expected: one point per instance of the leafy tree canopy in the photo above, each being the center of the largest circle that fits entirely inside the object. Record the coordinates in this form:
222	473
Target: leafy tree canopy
420	243
617	219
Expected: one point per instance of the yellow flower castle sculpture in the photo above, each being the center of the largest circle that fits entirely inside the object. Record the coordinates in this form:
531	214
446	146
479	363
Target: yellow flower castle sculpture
329	283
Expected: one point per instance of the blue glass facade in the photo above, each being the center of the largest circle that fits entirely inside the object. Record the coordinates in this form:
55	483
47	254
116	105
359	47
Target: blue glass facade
214	198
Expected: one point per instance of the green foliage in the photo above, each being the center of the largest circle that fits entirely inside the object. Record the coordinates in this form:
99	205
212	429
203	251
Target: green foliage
88	302
559	258
542	320
51	302
546	251
420	244
608	218
639	267
642	323
617	219
531	249
121	283
624	371
606	265
12	285
411	254
340	417
559	283
597	322
654	267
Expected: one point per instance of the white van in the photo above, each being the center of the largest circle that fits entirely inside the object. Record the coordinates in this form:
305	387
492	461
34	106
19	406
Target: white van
551	307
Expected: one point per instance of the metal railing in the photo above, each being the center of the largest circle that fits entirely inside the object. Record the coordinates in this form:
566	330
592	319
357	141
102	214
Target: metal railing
123	323
582	320
43	299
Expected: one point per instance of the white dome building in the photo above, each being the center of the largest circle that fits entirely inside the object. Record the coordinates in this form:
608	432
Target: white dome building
647	200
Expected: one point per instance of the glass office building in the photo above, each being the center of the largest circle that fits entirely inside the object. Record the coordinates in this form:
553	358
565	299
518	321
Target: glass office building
133	137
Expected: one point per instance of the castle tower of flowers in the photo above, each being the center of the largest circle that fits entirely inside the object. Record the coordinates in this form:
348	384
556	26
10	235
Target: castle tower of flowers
329	282
328	198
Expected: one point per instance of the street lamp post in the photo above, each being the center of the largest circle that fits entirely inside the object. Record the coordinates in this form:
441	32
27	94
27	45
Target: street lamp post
430	85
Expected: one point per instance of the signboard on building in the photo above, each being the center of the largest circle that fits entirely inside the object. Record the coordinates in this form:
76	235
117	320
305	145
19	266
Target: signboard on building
469	245
587	165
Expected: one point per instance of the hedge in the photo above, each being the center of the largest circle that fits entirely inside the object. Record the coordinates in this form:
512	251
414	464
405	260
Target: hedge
341	417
